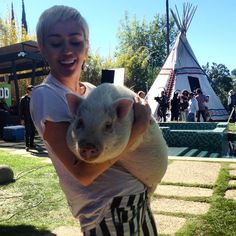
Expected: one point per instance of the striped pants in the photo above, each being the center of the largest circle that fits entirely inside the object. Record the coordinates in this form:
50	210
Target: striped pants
128	216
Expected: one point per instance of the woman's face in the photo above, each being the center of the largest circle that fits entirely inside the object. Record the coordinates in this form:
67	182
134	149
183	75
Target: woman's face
65	50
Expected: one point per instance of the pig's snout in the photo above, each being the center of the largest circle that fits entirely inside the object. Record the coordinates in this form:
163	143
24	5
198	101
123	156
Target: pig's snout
89	151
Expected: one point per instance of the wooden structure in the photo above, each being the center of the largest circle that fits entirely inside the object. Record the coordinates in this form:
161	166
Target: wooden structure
20	61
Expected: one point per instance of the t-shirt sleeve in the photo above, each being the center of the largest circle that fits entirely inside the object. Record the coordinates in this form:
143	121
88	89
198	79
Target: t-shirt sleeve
47	105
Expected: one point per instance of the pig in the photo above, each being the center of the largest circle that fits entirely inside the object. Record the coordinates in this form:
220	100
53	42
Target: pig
101	128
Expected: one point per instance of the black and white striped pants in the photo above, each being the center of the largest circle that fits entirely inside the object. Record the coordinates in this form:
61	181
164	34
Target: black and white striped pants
128	216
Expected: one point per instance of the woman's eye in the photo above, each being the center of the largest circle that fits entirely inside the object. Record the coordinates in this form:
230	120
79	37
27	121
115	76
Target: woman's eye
55	45
78	44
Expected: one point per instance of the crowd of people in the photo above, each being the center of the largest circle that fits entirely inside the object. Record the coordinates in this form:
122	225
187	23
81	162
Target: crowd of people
183	106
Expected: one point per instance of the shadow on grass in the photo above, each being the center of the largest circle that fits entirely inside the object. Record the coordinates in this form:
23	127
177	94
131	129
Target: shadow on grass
40	151
23	230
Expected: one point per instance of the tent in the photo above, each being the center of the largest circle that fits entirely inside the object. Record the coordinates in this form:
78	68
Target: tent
181	71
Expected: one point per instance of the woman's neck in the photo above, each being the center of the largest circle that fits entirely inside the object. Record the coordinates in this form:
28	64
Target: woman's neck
72	83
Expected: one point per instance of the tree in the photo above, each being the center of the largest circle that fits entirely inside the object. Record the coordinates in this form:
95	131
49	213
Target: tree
220	80
233	72
8	29
13	31
142	49
3	33
24	27
136	68
10	34
93	68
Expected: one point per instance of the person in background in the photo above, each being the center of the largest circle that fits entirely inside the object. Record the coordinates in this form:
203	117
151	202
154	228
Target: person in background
5	118
105	198
163	106
3	105
184	105
192	108
201	105
174	107
208	112
26	120
231	105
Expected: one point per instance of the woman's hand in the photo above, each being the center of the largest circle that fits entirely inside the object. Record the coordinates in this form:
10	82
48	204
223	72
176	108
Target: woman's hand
142	118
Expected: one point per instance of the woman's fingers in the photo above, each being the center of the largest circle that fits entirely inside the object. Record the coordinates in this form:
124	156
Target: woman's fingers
142	114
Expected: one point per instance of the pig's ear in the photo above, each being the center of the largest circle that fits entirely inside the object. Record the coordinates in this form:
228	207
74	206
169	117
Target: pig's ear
122	107
73	102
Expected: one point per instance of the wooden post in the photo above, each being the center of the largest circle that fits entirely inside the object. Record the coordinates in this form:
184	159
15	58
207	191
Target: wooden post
167	28
16	83
33	73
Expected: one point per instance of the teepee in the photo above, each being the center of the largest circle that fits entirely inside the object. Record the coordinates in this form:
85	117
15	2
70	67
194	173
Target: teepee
181	71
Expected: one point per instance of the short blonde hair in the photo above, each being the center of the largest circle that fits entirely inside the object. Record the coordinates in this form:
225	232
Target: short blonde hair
60	13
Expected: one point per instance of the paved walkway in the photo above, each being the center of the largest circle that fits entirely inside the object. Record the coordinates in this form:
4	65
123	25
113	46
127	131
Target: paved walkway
185	178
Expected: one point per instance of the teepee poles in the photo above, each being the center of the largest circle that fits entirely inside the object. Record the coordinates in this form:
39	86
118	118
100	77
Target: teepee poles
187	16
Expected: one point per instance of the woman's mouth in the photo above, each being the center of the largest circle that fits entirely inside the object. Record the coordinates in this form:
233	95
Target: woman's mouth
68	62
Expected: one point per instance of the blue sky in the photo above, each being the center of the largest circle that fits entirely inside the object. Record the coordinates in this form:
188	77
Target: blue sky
212	33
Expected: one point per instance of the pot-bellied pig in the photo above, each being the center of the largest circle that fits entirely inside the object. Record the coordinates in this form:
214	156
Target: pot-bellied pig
101	130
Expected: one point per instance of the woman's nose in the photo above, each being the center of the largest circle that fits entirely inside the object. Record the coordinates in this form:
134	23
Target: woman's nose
66	48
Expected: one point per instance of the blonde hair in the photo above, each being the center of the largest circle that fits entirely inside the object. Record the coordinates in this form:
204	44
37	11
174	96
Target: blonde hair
60	13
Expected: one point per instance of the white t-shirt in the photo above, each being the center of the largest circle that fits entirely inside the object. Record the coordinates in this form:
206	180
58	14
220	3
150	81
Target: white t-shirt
193	105
89	204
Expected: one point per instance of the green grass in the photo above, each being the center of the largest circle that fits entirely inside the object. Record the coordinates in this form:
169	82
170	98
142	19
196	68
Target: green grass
232	127
220	219
34	203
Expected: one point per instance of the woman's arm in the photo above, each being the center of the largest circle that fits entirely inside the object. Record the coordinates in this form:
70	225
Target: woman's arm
85	173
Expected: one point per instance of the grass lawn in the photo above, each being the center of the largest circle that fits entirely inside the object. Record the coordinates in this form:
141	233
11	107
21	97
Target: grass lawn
232	127
220	220
34	204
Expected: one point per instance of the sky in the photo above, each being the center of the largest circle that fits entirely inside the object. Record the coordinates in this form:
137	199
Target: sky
211	34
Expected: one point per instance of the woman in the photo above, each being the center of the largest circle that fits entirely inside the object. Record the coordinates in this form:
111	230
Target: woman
175	106
104	197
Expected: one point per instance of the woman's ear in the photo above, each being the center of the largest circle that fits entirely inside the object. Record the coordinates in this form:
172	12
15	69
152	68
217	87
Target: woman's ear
84	67
41	49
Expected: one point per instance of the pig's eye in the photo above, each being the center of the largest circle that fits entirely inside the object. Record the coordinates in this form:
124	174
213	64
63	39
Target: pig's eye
108	126
80	124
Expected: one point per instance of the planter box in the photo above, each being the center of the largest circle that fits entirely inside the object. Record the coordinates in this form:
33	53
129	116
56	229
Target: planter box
14	133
